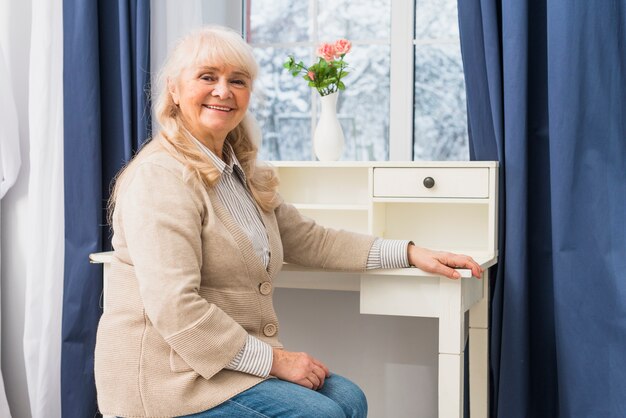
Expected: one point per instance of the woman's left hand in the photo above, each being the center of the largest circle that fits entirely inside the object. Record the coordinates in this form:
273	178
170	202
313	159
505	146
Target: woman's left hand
300	368
442	263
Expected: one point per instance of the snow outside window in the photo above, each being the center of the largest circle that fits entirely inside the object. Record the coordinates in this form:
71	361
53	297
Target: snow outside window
433	128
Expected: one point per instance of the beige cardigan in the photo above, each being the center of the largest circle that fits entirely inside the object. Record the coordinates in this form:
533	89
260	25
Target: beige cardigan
186	287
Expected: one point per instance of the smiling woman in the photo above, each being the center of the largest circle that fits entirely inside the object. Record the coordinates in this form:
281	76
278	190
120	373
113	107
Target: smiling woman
199	233
212	101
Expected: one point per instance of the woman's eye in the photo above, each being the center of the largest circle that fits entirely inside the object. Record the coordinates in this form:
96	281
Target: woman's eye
239	82
207	77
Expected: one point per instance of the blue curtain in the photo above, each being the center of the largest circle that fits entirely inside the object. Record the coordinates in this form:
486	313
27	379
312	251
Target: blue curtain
546	96
106	80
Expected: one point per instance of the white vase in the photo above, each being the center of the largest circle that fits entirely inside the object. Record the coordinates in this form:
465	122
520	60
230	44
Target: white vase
328	140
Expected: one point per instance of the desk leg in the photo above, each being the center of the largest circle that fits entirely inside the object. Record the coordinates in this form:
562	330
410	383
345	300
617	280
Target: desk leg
479	354
450	385
451	346
105	282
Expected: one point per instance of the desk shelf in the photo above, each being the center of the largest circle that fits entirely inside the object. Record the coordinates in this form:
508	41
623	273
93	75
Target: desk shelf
330	186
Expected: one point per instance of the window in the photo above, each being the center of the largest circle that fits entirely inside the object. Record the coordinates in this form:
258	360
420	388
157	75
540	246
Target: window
440	117
405	97
287	108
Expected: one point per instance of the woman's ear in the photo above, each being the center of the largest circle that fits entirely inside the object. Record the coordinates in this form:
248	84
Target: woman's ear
173	89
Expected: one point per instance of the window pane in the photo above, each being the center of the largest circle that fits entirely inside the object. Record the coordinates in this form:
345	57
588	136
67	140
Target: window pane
440	128
370	19
282	106
436	19
363	108
278	21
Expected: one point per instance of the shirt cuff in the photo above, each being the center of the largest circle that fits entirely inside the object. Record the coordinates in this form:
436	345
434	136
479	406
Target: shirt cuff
388	254
255	358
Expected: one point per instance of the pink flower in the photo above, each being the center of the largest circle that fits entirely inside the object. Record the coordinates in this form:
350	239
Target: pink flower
311	75
342	47
326	52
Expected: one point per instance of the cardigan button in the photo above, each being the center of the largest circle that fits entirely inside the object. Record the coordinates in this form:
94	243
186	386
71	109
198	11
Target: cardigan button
265	288
269	330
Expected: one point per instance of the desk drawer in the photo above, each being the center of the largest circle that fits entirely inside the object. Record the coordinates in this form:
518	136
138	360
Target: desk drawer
446	182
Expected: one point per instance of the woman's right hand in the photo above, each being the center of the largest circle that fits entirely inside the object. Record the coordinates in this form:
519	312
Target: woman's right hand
300	368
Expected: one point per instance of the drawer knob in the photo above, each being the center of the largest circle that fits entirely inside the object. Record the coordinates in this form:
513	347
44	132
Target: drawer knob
429	182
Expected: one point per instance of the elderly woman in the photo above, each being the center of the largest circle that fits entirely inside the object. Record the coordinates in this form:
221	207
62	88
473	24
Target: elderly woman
199	235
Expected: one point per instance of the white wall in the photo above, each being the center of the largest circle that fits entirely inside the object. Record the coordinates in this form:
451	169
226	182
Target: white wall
223	12
15	18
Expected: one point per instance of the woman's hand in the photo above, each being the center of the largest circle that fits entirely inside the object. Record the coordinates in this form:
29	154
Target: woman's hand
442	263
299	368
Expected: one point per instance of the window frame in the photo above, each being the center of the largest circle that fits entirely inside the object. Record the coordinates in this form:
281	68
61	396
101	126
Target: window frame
401	95
401	78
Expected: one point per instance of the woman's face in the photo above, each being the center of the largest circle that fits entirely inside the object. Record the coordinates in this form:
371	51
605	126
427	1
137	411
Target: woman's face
213	99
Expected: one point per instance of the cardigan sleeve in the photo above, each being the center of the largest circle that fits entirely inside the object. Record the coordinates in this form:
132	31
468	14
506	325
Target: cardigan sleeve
308	244
161	218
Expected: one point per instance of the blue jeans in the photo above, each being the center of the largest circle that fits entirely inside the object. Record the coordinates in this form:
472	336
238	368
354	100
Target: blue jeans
339	398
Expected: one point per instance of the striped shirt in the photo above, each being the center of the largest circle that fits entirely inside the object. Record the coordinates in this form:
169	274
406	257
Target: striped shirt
255	357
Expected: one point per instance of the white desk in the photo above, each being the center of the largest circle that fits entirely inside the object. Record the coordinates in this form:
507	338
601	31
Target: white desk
458	213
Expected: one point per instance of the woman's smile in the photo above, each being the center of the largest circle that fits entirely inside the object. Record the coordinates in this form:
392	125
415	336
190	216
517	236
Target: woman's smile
218	107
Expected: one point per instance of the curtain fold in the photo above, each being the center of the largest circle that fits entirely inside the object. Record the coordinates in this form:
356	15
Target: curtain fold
107	117
44	271
545	90
4	404
10	162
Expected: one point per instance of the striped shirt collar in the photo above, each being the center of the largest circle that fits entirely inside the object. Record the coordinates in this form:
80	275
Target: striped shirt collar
229	155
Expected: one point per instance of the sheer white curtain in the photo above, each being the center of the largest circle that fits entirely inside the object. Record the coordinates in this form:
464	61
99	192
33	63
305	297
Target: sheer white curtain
10	162
33	219
44	279
4	404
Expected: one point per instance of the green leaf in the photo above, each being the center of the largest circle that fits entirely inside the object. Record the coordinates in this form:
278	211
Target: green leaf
327	75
